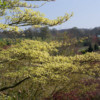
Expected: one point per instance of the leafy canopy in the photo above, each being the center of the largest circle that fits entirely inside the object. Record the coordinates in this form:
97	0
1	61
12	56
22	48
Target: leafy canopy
31	68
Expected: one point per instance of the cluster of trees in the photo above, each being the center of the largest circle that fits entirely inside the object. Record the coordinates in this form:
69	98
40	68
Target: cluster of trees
39	70
92	43
91	48
77	32
71	45
34	33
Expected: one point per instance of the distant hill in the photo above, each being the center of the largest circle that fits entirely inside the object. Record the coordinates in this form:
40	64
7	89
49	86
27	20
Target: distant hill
74	32
77	32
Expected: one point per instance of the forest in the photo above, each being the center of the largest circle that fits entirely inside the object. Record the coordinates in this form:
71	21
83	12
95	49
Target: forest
40	63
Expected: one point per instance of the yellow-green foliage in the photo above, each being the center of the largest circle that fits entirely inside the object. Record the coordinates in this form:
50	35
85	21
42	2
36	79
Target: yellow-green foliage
46	73
18	17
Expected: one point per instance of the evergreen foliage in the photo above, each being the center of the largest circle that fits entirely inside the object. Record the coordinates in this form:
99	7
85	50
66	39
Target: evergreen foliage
90	49
96	47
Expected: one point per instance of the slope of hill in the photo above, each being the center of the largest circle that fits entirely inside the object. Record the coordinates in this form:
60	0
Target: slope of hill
76	32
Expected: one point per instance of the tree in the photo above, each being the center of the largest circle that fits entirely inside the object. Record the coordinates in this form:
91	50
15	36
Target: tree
90	49
44	33
28	16
96	47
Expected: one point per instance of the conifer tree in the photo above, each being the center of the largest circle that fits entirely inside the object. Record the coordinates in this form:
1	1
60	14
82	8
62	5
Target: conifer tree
96	47
90	49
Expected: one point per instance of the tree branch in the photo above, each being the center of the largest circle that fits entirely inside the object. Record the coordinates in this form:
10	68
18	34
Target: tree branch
15	85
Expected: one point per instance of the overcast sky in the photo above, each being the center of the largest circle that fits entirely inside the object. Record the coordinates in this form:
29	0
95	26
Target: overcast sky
86	12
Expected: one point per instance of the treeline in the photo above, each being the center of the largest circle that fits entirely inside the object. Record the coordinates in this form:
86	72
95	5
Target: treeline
77	32
45	32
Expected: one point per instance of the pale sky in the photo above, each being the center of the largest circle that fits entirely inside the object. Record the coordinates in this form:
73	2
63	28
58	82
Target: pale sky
86	12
